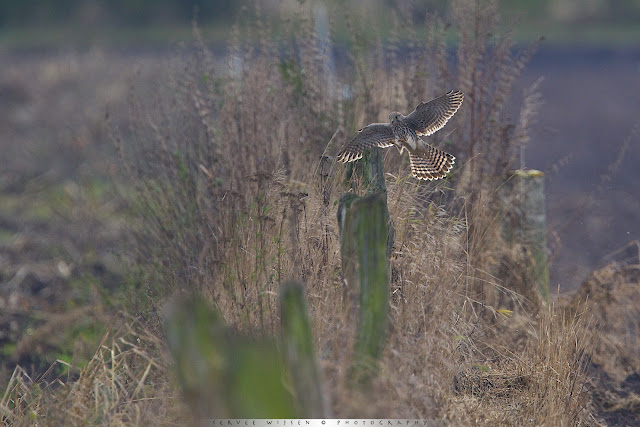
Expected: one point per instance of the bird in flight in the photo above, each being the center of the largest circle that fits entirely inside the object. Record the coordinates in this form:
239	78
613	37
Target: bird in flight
427	161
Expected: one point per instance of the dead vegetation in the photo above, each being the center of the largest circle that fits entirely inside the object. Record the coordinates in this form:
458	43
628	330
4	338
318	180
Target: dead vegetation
235	192
123	383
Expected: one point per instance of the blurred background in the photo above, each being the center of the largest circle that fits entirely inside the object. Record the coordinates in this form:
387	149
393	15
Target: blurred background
49	23
66	63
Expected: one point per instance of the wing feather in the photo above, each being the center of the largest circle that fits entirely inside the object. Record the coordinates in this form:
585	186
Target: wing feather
373	135
429	117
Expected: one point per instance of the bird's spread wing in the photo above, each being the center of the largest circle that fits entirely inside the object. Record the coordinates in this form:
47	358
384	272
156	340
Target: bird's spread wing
374	135
428	117
431	164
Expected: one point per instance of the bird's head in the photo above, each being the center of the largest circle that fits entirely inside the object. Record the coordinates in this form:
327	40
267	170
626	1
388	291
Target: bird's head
395	117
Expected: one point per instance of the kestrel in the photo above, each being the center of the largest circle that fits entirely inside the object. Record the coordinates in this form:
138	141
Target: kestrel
427	161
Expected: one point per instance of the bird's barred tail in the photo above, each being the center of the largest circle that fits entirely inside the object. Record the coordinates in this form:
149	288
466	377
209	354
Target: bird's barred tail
433	163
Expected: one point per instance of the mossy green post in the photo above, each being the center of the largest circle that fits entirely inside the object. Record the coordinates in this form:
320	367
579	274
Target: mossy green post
298	351
525	222
225	375
370	169
363	243
366	241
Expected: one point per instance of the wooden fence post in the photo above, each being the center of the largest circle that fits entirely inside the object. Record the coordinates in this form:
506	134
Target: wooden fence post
225	375
370	170
298	351
363	245
522	199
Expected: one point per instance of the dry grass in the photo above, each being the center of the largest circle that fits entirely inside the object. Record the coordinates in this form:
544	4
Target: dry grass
535	375
125	382
236	192
611	294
